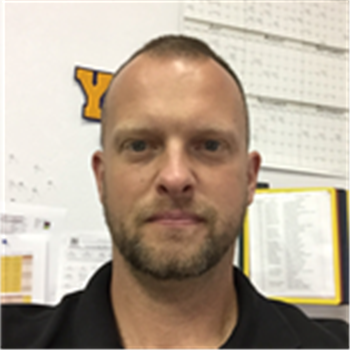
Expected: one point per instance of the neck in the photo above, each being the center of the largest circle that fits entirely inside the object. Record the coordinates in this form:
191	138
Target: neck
195	313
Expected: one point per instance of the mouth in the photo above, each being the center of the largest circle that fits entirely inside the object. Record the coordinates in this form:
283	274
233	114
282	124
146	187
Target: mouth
175	218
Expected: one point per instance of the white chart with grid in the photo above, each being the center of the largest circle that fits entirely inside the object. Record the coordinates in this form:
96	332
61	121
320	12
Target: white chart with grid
292	59
301	137
322	22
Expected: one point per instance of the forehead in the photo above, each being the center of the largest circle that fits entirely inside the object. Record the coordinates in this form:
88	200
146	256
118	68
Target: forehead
173	88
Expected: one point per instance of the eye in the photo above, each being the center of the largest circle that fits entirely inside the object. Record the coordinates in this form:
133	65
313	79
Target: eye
211	145
138	145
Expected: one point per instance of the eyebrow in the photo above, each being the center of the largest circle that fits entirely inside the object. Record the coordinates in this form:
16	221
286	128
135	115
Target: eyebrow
197	129
214	130
131	130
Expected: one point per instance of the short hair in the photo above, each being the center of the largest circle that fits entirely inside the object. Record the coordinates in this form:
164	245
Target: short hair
169	46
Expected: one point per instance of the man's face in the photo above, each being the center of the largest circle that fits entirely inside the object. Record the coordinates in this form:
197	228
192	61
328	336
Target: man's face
175	176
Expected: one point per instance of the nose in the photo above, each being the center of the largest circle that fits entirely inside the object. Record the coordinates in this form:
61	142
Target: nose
176	178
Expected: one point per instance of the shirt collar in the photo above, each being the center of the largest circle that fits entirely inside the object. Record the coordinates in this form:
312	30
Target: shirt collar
260	324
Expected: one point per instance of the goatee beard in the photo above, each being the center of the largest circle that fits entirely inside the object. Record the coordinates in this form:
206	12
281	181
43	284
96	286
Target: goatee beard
162	265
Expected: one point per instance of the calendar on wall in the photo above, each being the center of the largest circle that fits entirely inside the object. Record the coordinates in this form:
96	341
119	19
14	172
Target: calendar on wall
292	59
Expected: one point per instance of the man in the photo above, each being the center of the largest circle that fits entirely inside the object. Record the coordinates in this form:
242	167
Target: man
175	178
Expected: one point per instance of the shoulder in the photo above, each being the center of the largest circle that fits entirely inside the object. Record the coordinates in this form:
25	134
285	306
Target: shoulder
34	326
70	324
323	333
267	323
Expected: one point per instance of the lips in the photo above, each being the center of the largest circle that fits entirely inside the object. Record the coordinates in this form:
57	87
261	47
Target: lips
175	218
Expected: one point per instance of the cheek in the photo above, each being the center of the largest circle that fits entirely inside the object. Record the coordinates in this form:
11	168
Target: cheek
124	187
229	191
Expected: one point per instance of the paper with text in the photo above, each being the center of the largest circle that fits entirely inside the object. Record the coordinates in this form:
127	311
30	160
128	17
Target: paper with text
81	254
23	268
292	244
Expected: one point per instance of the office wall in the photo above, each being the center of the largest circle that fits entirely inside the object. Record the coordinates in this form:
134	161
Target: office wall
48	146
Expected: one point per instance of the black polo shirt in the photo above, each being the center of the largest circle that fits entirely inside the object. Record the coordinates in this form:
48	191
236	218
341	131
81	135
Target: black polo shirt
85	320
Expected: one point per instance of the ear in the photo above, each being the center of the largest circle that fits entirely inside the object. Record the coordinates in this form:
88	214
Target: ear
98	167
254	161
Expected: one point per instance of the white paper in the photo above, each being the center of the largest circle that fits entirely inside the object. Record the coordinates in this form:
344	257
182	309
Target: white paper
24	268
20	218
81	254
291	244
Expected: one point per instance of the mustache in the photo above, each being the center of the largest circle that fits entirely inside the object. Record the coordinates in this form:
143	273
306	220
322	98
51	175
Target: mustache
148	210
